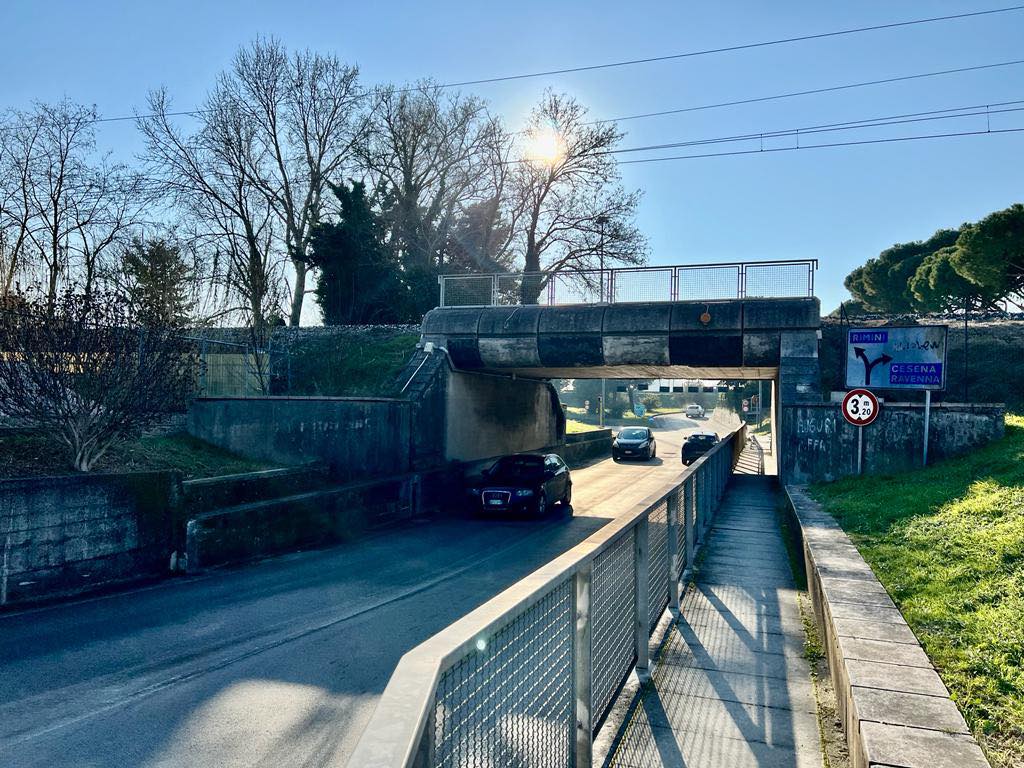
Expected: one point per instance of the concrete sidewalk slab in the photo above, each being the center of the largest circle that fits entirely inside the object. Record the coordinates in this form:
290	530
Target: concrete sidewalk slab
731	687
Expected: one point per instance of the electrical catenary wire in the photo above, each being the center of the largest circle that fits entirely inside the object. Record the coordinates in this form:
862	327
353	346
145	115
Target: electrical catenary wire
732	48
977	110
671	57
822	146
809	92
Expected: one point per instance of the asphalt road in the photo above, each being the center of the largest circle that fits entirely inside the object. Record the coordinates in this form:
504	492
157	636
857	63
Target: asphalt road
278	663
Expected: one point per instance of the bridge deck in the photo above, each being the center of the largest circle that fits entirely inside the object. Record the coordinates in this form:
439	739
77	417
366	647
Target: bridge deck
731	687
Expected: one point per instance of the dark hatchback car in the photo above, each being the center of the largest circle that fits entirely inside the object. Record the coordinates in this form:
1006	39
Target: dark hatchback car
634	443
524	482
697	445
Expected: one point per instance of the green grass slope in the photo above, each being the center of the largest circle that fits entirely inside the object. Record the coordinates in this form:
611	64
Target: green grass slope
948	543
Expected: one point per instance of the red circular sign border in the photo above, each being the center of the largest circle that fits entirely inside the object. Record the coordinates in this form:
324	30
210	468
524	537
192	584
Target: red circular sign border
860	391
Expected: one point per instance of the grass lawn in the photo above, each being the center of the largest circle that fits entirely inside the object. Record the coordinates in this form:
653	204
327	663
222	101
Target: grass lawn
23	455
573	427
948	544
366	364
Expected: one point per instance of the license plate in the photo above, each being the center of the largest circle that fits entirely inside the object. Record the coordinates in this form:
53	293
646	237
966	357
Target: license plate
628	453
495	502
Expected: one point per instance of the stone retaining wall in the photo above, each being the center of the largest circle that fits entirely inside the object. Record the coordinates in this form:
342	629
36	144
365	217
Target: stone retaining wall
819	444
895	709
583	447
70	534
356	438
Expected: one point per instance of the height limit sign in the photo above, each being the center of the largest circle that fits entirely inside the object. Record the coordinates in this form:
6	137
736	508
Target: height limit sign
860	407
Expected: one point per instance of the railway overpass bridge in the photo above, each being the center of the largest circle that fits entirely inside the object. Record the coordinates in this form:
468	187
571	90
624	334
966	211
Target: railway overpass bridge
657	332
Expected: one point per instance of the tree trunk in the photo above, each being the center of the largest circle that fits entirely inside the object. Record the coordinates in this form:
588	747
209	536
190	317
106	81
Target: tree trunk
299	293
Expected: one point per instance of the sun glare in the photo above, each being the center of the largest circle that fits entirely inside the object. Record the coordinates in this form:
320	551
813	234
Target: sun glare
545	146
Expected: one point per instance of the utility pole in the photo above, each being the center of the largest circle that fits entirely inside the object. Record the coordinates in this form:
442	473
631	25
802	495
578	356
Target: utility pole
601	421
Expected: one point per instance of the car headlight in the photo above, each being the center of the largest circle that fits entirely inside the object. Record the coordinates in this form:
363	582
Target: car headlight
474	491
644	444
615	443
524	492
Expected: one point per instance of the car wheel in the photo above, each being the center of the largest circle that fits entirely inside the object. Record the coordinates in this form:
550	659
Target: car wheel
542	505
654	452
567	499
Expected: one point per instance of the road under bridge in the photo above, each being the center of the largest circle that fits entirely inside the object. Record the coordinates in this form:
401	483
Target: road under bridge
278	663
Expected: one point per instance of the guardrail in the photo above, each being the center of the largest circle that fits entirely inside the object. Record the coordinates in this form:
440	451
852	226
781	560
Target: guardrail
695	282
528	677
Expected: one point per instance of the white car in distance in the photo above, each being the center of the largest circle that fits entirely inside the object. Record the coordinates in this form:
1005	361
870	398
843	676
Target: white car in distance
694	412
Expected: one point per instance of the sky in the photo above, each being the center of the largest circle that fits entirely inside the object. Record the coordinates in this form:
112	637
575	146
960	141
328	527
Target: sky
839	205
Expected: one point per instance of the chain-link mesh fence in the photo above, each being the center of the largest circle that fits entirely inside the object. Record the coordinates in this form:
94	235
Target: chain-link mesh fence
614	611
528	685
658	575
237	369
700	282
510	702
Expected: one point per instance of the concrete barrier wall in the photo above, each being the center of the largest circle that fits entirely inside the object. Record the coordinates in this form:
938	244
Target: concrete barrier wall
819	444
894	707
65	535
356	438
584	447
315	518
495	415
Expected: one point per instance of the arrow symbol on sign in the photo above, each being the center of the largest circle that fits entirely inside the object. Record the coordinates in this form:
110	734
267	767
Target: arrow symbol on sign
868	365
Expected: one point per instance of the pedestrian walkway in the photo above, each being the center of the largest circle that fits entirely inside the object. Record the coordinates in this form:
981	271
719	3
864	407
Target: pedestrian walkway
757	457
731	687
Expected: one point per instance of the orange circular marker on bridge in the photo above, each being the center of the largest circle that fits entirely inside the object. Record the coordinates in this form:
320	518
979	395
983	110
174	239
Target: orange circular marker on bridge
860	407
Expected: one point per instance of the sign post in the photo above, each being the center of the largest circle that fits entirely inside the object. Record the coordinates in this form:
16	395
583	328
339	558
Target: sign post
860	408
927	420
899	357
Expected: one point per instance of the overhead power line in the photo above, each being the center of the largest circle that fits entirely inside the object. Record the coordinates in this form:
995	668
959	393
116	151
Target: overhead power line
977	110
691	54
733	48
822	146
809	92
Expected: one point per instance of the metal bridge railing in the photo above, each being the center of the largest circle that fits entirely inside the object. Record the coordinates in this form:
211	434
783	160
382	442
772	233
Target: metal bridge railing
527	678
698	282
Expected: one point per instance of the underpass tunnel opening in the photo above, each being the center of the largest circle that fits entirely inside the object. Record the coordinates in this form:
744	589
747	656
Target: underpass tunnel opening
664	418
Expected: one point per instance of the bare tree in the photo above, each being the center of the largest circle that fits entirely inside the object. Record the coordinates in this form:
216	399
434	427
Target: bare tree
15	211
295	117
430	154
82	369
572	209
207	176
64	205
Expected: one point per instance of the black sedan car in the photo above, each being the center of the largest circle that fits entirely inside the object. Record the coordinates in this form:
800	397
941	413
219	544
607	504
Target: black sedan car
523	482
697	445
634	443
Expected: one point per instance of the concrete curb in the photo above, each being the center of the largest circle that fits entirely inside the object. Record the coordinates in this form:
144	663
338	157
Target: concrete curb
895	709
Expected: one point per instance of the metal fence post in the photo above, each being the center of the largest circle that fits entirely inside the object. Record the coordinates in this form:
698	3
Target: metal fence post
494	290
699	489
641	619
689	518
441	281
583	667
674	566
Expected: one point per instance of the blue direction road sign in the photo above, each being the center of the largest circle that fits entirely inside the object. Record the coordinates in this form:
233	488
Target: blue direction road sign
897	357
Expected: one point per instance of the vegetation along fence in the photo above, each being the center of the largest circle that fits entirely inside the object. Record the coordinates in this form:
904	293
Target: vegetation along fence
697	282
528	678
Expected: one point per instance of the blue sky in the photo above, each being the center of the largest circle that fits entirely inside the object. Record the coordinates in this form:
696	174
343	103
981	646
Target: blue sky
839	205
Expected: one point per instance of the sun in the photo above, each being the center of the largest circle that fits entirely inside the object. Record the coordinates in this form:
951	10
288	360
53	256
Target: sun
545	146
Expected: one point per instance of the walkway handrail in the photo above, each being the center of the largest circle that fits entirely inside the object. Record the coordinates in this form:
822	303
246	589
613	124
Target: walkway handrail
536	668
787	278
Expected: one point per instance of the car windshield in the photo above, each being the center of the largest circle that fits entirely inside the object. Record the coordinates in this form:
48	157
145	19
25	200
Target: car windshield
633	434
701	439
515	468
